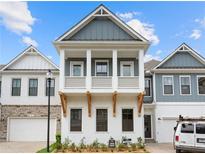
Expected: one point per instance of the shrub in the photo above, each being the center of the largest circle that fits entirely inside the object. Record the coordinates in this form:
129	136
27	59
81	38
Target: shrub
65	145
140	143
95	144
82	144
58	141
73	147
122	147
134	146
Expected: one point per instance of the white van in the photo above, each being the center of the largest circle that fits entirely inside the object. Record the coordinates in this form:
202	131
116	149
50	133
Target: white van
190	135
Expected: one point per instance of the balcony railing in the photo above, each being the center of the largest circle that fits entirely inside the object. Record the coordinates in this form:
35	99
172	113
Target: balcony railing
74	82
128	82
102	82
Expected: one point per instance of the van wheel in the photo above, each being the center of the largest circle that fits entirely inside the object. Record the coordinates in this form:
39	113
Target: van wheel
178	151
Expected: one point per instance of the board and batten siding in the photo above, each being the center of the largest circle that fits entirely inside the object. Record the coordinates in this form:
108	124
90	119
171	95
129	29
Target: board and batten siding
182	59
194	97
101	28
68	60
31	61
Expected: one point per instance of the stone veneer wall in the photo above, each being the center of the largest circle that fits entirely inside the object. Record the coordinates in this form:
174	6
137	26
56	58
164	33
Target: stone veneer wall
26	111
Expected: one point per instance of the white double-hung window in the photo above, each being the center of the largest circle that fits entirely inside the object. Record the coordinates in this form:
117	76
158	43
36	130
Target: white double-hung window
168	85
126	68
76	68
185	85
102	68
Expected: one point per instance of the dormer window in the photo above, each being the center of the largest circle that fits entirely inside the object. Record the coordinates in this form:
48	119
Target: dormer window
101	68
127	68
76	68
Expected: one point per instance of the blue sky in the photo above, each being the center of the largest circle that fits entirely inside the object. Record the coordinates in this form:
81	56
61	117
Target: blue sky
166	24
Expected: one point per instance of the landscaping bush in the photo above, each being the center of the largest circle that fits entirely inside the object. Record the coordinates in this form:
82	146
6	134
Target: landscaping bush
140	143
58	141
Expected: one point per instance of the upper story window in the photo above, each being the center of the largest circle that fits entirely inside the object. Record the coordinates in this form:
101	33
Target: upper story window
201	85
76	68
16	87
101	68
168	87
147	87
126	68
185	85
52	89
101	119
33	87
127	120
76	120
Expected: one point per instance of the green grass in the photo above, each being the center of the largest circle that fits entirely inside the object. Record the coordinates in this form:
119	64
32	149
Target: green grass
44	150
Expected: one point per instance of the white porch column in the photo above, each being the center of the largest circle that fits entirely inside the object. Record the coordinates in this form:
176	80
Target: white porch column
114	70
141	69
88	70
62	69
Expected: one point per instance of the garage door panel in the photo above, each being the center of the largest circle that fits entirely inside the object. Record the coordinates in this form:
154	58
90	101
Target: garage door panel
30	129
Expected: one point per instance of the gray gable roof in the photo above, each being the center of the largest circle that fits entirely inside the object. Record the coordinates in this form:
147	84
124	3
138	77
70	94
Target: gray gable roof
151	64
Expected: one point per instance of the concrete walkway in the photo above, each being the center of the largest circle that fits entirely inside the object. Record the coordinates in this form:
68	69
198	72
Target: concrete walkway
21	147
160	148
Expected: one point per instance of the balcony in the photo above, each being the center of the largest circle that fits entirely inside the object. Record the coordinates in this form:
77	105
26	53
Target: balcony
128	82
102	71
74	82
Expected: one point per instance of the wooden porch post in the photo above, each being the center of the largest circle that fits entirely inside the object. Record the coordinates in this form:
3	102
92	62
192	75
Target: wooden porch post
140	98
63	103
114	101
89	98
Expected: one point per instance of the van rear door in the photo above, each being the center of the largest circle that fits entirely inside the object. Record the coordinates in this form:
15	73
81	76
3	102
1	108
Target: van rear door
200	135
186	137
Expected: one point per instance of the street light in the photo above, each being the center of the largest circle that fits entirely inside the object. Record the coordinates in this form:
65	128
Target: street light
49	76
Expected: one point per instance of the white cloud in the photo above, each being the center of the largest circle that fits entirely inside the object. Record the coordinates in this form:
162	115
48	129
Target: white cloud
145	29
158	52
29	41
16	17
196	34
127	15
200	21
149	57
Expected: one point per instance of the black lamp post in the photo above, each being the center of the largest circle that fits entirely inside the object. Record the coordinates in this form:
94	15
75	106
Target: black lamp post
49	76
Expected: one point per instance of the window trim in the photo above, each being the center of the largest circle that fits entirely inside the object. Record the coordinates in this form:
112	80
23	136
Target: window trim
12	86
77	63
29	86
181	76
103	60
127	63
197	78
69	121
164	76
133	109
106	108
150	87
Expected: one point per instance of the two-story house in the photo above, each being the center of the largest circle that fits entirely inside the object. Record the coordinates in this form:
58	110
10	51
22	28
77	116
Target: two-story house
179	89
101	79
23	97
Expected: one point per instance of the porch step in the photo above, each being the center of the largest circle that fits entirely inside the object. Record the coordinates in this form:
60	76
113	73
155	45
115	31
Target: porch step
150	141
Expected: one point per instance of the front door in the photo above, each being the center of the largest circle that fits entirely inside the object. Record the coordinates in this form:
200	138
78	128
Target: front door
148	126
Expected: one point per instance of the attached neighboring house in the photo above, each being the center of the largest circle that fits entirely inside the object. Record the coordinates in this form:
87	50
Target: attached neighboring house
179	83
101	79
23	101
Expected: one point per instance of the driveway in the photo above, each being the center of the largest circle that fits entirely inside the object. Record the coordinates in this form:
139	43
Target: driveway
160	147
21	147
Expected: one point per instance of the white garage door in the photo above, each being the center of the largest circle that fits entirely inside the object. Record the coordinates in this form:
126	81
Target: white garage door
30	129
166	131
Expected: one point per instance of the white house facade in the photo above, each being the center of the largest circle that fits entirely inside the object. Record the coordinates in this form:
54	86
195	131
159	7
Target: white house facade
23	108
101	79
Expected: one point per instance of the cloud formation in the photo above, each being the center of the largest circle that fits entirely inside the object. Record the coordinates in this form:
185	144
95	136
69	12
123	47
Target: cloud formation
145	29
29	41
16	17
196	34
127	15
149	57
